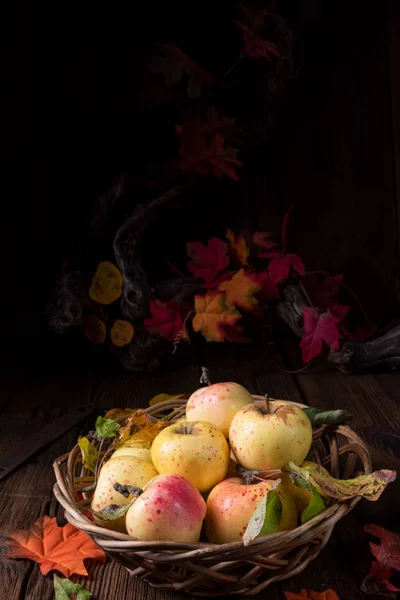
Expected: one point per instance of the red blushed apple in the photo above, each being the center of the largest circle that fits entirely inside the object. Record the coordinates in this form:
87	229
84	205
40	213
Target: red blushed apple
267	435
217	404
169	509
231	504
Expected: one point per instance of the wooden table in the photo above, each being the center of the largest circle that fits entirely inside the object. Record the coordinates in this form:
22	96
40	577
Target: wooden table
30	401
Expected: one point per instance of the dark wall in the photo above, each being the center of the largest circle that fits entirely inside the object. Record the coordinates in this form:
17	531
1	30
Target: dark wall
70	126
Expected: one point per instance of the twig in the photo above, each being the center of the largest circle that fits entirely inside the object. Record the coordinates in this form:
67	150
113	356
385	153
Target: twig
204	377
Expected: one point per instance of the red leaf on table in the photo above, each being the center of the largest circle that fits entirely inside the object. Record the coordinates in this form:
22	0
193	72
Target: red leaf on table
318	328
281	264
387	556
321	294
55	548
166	319
327	595
208	260
255	46
239	248
174	63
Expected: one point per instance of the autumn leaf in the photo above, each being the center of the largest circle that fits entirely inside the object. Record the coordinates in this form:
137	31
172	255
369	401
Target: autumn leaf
139	430
319	328
268	287
262	241
212	314
266	517
165	397
387	556
121	333
321	294
239	248
106	284
208	260
240	291
320	417
165	319
212	157
118	413
63	588
89	453
94	329
194	131
174	63
368	486
281	264
326	595
55	548
255	46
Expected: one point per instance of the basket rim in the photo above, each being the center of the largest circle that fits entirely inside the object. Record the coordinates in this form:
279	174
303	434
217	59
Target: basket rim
112	540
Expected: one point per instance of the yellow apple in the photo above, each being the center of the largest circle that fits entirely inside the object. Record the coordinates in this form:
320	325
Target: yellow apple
170	509
218	404
126	470
143	453
231	504
267	435
194	449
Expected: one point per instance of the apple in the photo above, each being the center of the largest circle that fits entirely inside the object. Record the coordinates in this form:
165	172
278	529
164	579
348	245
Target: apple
268	434
300	496
231	504
195	449
217	404
169	509
143	453
126	470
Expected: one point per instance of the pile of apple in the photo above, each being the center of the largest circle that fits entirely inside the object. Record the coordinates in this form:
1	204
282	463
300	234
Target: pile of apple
189	478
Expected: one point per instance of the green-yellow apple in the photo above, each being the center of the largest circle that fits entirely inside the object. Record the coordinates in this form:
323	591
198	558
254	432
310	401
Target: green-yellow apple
126	470
217	404
231	504
169	509
267	435
195	449
143	453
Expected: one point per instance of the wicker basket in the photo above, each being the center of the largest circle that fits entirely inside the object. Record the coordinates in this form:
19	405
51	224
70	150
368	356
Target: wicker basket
205	569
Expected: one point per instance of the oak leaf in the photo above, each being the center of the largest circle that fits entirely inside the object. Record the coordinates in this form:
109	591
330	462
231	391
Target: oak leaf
387	556
166	319
139	430
239	248
106	283
121	333
326	595
55	548
94	329
212	314
174	63
319	328
208	260
240	291
254	45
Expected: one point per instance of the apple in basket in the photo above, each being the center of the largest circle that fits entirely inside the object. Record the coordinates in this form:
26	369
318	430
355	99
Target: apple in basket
170	508
126	450
268	434
231	504
194	449
217	404
126	470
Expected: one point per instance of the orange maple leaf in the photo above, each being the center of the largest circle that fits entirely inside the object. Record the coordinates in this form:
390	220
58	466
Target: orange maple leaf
212	314
53	547
327	595
240	291
239	247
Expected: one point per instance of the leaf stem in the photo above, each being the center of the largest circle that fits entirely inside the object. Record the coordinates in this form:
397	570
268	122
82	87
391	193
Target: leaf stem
233	66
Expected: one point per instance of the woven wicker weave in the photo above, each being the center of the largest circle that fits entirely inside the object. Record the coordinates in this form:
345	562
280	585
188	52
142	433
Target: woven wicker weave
207	569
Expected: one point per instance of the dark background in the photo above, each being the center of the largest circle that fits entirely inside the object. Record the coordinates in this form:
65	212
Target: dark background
72	90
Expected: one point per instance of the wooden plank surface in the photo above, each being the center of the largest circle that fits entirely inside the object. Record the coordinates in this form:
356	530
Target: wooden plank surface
341	565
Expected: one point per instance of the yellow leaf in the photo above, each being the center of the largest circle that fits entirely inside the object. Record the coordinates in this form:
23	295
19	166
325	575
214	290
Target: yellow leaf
89	453
139	430
212	315
240	290
121	333
106	284
164	397
94	329
239	248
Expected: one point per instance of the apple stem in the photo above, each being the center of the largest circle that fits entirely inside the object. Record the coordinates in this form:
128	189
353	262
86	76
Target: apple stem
266	404
187	429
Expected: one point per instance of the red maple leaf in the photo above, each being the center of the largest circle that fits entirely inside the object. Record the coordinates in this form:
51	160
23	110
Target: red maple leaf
319	328
281	264
174	63
166	319
208	260
387	556
255	46
321	294
268	287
